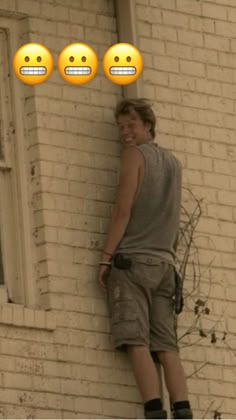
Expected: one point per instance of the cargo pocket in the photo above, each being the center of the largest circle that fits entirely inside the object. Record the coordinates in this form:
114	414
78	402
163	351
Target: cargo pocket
124	321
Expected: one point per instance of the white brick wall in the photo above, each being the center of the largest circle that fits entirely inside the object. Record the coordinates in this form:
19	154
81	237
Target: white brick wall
196	74
57	361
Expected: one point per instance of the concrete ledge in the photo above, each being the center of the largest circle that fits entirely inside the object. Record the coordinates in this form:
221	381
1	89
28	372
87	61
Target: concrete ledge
20	316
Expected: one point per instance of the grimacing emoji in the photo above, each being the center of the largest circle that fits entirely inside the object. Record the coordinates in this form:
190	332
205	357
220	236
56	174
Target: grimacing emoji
77	63
33	63
122	63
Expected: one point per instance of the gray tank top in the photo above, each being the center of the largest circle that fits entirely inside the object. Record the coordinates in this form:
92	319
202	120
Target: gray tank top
154	223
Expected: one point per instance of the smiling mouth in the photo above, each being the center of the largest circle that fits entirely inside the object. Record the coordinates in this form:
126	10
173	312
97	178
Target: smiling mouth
122	70
33	71
78	71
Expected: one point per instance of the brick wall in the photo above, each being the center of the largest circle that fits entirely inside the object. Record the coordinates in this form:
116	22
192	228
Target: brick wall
57	361
189	75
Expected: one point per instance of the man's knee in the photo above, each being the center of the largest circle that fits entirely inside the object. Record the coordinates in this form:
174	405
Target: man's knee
163	356
135	348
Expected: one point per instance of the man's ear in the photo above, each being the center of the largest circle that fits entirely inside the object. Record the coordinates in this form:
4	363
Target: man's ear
148	126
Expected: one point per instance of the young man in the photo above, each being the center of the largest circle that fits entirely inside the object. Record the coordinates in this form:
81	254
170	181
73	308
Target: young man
137	268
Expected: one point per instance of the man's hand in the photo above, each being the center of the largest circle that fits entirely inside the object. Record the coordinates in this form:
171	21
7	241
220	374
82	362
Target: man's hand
103	273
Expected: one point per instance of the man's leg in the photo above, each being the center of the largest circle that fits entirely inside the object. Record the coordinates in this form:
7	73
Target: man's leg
147	380
145	372
176	383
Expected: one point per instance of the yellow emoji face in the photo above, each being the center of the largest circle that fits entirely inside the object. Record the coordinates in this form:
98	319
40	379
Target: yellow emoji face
122	63
77	63
33	63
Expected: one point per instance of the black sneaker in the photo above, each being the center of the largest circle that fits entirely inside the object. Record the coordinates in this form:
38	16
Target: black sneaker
156	414
183	413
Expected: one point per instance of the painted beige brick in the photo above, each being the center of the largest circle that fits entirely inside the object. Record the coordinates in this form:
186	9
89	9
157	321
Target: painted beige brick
88	405
211	118
233	45
225	197
164	32
67	30
171	127
182	82
152	46
225	29
73	387
39	25
195	100
229	122
26	365
229	375
178	50
145	29
175	19
168	95
18	315
25	6
9	5
191	38
220	212
7	314
163	4
168	64
192	68
107	7
59	401
164	110
217	43
216	181
11	411
197	23
48	414
205	164
205	86
184	113
214	11
126	410
186	6
221	389
219	73
148	14
214	150
17	381
228	90
193	177
228	135
205	56
227	60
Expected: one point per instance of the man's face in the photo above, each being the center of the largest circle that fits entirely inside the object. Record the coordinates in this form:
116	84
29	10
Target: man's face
132	130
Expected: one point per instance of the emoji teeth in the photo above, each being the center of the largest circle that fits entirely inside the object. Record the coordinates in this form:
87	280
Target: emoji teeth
122	70
78	70
33	70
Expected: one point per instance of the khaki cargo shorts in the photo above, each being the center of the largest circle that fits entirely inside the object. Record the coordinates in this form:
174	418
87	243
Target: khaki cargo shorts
141	305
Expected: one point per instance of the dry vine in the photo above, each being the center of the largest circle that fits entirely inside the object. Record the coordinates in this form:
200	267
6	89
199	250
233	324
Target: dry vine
196	302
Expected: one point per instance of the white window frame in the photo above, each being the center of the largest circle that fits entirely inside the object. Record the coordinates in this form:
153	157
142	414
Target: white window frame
15	216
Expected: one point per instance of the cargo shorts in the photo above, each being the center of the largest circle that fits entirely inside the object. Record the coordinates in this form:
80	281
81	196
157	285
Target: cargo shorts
141	304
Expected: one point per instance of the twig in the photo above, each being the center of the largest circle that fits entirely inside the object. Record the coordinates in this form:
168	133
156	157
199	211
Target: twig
201	367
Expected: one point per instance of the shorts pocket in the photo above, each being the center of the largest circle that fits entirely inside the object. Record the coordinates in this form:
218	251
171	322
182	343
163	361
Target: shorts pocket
124	321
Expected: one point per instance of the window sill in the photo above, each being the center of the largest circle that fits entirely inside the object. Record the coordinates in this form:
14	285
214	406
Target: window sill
20	316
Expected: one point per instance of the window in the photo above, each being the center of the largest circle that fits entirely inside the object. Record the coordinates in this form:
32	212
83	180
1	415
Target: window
16	280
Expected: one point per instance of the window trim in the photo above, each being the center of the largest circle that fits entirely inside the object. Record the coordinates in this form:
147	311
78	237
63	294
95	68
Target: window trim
23	217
